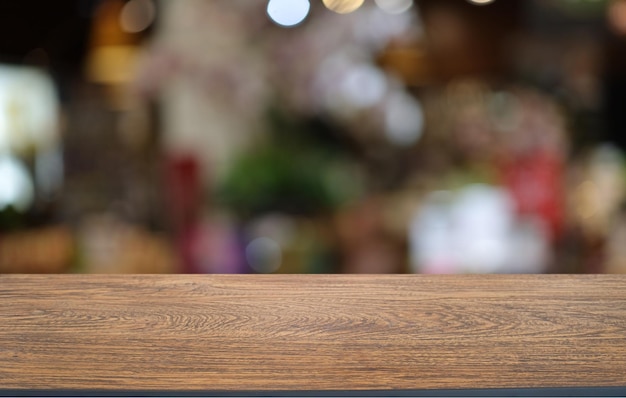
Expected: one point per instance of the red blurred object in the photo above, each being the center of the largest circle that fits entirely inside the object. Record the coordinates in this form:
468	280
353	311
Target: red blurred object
535	180
183	187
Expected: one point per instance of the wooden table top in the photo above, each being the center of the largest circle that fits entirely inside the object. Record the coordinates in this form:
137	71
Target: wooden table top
246	332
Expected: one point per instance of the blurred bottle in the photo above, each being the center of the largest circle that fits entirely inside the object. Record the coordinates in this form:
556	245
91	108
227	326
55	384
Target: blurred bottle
183	187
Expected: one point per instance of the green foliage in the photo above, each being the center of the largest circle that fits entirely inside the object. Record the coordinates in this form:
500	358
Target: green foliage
11	220
301	169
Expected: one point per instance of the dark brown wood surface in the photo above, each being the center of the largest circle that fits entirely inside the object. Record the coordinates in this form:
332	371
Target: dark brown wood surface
311	332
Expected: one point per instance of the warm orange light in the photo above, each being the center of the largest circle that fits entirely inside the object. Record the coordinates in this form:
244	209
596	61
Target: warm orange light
343	6
616	15
113	52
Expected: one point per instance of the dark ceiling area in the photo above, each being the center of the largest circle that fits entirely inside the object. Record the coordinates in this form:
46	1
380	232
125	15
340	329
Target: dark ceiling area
54	33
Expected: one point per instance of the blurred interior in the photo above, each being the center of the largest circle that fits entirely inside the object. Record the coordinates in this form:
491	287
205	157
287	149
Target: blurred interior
313	136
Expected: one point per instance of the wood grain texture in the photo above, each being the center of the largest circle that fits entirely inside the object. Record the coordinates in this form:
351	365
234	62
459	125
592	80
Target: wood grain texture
311	332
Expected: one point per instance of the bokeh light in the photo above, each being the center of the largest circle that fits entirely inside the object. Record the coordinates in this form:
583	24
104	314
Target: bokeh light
481	2
288	12
404	119
16	187
363	86
394	6
28	110
343	6
137	15
264	255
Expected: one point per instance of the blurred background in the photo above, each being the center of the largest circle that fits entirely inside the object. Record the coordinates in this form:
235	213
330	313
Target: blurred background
312	136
